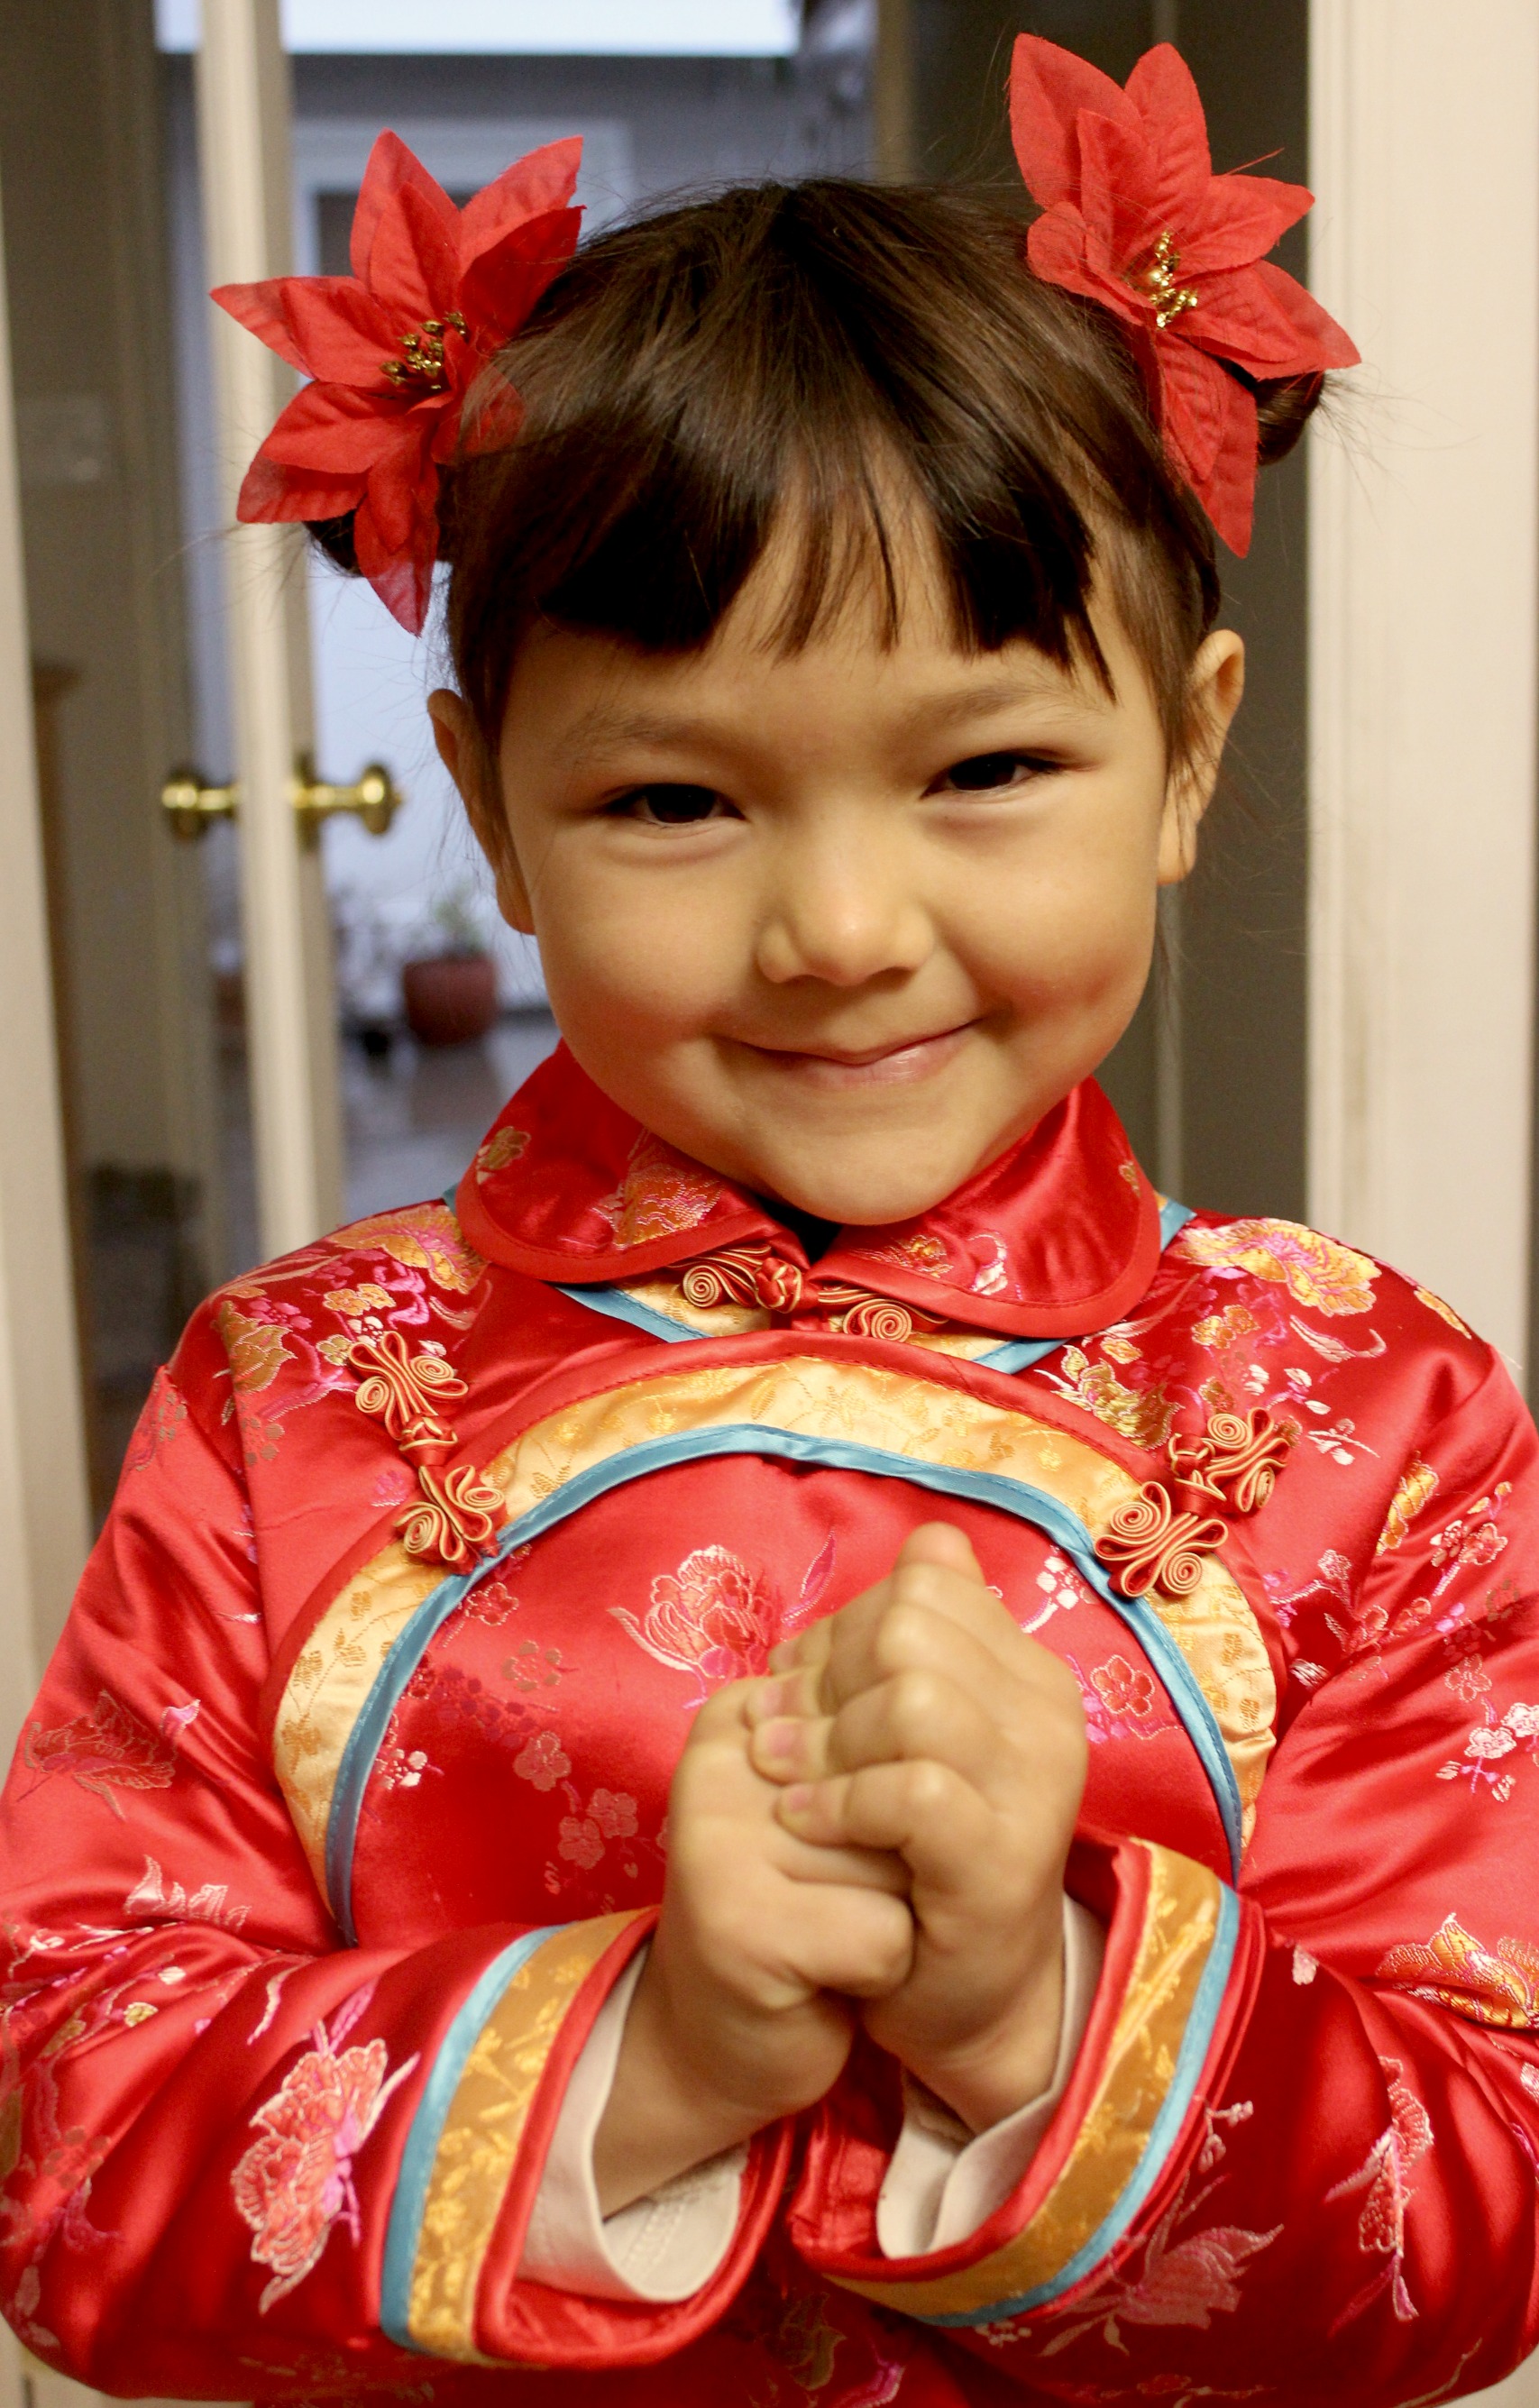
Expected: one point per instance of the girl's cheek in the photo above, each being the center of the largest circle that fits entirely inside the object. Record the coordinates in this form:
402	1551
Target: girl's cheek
647	976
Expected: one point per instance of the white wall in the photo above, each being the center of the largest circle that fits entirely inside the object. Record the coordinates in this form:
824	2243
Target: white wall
1423	577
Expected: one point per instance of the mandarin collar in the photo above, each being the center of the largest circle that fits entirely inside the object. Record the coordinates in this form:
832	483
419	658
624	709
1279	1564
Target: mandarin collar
1058	1237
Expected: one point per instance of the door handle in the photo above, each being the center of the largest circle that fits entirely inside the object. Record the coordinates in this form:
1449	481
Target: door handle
190	802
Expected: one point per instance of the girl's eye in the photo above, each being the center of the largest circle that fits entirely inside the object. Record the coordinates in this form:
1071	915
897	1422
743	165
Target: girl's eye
987	772
672	806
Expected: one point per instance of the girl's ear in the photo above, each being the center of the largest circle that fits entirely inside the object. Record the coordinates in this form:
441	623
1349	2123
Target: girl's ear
1217	682
464	755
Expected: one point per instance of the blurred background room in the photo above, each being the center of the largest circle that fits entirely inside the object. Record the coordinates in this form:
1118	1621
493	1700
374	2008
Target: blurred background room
221	1032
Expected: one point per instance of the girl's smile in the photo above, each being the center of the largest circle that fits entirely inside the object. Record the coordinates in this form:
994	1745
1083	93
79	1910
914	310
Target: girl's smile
903	1058
842	922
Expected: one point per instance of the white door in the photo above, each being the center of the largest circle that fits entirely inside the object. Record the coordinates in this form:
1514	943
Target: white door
244	147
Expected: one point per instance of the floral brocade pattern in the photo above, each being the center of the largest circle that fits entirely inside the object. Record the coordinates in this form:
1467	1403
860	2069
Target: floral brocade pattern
712	1617
420	1237
108	1751
295	2182
659	1195
1496	1985
1317	1272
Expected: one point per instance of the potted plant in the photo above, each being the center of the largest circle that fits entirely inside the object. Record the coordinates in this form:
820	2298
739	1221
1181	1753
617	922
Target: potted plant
449	988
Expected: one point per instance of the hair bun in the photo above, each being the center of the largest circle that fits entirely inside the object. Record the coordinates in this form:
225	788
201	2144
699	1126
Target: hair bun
1283	407
335	538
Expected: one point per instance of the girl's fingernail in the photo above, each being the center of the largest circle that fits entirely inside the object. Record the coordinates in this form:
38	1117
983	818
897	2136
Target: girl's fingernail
782	1740
767	1700
796	1800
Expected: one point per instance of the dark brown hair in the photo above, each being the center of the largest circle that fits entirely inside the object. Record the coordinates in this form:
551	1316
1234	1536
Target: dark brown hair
839	343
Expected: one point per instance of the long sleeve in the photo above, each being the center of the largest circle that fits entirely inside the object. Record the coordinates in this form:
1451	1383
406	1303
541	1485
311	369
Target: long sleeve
941	2185
238	2153
661	2247
1306	2106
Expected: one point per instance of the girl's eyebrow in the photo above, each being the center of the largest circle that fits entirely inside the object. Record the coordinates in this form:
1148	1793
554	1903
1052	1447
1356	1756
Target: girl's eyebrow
599	732
1051	685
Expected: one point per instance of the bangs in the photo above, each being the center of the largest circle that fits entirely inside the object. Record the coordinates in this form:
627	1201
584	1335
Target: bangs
837	363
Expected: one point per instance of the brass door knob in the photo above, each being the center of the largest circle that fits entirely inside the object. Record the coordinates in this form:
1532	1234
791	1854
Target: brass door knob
190	802
375	799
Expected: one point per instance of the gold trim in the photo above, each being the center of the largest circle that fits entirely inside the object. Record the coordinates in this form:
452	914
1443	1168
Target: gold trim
332	1676
853	1402
483	2132
1180	1922
666	1296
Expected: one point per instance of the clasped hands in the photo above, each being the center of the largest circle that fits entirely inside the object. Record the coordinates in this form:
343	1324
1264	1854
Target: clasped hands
872	1834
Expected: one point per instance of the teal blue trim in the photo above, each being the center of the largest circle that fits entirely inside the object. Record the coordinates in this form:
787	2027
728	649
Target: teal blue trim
404	2232
1173	1218
364	1741
1019	1353
1163	2132
451	1196
1013	1497
621	1307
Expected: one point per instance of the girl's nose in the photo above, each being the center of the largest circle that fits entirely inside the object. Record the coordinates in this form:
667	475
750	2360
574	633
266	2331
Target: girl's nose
845	914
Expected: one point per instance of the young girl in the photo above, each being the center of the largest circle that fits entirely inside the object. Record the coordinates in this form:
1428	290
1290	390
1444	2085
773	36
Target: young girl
808	1749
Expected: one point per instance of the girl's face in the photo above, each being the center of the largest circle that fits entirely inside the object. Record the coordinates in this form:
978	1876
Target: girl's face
846	922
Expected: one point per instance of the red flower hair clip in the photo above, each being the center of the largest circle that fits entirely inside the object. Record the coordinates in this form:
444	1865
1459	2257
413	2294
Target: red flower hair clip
394	349
1133	216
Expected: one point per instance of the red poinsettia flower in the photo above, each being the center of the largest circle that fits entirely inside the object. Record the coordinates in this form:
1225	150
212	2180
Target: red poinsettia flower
394	349
1135	218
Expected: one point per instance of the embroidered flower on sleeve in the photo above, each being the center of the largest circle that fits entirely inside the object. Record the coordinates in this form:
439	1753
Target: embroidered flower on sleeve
255	1349
419	1236
109	1749
1384	2175
1488	1744
1416	1486
1468	1677
1219	1331
1498	1986
358	1303
295	2182
1317	1272
1121	1701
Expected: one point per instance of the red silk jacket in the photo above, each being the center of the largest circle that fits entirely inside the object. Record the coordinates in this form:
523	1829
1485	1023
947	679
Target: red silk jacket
341	1808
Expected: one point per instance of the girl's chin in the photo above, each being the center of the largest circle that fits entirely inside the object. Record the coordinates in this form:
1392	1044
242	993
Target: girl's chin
854	1195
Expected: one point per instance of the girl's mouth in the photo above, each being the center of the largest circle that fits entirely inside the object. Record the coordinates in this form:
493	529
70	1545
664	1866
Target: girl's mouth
902	1062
